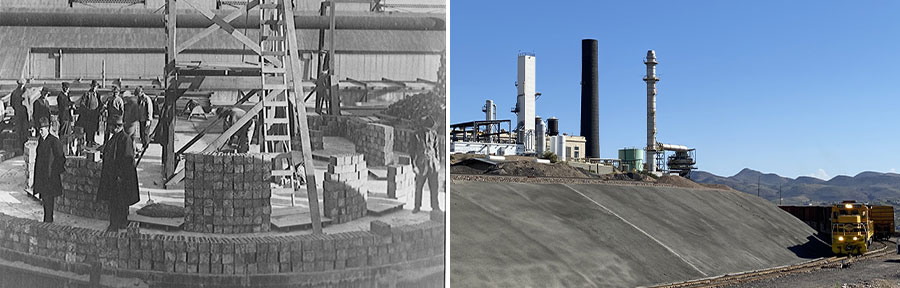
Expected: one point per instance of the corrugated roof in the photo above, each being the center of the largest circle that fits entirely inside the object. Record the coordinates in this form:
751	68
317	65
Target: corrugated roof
15	42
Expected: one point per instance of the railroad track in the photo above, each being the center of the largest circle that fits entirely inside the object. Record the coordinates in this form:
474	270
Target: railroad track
882	248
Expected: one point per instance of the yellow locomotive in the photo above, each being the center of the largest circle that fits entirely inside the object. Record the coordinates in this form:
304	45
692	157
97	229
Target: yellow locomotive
851	228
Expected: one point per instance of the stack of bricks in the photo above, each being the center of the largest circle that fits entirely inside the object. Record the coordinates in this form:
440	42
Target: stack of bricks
376	141
227	255
345	190
227	193
401	180
404	139
80	182
73	143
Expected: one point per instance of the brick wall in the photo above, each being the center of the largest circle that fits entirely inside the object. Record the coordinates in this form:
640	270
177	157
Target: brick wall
345	191
373	139
80	182
234	255
227	193
401	180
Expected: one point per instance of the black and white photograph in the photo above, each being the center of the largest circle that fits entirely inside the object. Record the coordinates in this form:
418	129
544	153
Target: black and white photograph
223	143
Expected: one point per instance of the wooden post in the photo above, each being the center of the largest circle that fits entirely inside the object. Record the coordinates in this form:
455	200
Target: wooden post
294	66
334	108
168	119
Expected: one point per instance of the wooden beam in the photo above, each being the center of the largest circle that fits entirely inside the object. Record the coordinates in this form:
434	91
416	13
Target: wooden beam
294	63
168	115
243	99
219	141
209	30
224	25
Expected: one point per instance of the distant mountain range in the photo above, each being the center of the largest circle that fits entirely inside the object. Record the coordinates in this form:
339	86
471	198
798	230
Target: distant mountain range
867	186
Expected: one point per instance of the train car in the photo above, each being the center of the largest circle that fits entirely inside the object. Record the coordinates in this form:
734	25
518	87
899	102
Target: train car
883	219
852	229
817	217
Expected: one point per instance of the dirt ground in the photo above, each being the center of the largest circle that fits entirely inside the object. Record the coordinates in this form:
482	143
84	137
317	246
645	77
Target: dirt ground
881	272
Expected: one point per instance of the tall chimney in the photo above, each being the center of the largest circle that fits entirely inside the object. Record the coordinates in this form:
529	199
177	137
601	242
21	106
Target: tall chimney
651	80
590	99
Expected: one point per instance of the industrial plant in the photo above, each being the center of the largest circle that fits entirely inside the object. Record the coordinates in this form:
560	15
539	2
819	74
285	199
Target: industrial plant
214	143
531	136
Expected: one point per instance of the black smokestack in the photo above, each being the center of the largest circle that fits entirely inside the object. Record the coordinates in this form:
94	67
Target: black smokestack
590	99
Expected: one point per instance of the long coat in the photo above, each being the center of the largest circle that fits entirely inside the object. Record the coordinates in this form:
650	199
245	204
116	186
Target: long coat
49	163
89	111
118	177
65	106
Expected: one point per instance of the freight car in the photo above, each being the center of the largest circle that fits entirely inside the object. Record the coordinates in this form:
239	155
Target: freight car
852	229
883	218
817	217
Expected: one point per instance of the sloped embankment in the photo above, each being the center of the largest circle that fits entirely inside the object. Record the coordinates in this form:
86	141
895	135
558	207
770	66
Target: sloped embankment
542	235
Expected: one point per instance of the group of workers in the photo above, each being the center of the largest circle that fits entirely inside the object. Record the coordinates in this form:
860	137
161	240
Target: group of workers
127	120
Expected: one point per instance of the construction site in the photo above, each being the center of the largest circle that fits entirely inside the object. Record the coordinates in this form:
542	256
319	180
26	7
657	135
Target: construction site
282	152
551	212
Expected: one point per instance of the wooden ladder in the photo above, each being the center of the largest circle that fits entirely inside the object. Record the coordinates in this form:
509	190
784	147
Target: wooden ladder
276	122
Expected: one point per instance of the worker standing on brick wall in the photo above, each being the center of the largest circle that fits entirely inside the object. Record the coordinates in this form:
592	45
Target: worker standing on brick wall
50	162
424	153
118	177
66	110
20	118
89	113
115	107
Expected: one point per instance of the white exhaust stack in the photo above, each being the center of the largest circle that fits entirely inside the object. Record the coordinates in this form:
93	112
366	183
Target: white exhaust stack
651	80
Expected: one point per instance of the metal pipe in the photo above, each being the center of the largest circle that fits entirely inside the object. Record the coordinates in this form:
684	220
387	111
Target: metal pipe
194	20
651	80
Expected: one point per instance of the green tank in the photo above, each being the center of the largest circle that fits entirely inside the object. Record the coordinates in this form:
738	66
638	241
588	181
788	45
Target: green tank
632	159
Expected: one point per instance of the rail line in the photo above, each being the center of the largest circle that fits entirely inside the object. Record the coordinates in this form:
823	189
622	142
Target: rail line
755	275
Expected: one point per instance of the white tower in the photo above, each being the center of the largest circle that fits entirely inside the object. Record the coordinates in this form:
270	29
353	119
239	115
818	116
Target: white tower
525	98
651	80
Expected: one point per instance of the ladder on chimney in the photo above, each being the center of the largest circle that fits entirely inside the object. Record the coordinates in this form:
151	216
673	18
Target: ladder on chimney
276	124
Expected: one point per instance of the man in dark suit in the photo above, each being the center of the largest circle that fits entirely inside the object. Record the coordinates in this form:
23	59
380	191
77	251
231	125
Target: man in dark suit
89	113
66	110
20	116
49	163
40	108
118	177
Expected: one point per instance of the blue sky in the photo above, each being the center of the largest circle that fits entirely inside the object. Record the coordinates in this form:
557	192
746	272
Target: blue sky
798	88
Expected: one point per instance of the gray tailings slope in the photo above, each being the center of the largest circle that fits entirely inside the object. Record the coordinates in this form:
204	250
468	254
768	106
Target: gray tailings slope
550	235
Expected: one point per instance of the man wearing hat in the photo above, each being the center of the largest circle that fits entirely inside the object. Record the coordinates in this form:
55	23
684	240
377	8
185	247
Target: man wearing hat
20	118
66	110
49	163
115	107
118	177
40	108
89	113
425	163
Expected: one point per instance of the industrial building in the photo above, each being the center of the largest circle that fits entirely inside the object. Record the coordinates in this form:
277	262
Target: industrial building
533	136
341	95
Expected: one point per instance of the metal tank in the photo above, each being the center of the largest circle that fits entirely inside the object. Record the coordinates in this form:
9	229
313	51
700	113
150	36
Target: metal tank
552	126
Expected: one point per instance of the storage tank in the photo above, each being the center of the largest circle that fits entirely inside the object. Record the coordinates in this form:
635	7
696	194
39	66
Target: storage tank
632	159
540	128
552	126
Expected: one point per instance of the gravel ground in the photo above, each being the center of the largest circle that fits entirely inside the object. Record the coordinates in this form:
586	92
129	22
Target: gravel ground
881	272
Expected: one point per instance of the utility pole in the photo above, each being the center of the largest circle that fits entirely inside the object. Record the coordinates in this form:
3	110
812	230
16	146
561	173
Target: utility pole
757	185
779	194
